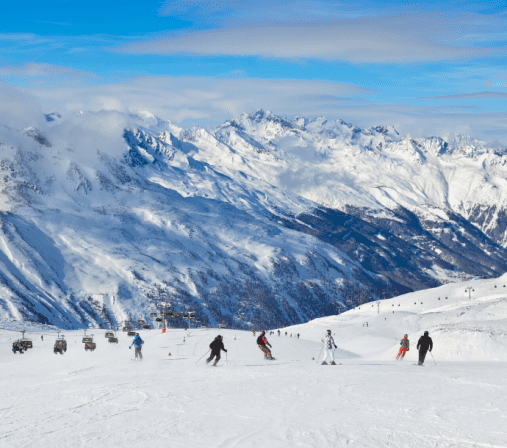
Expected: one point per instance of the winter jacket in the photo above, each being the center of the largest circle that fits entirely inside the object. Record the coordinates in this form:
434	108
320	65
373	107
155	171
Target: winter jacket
405	343
137	342
217	345
424	343
328	342
261	340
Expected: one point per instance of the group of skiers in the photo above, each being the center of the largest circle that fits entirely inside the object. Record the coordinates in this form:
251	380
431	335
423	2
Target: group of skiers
424	344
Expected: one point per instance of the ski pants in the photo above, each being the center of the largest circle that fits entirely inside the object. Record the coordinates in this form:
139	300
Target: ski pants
328	352
266	351
138	353
215	355
422	355
402	353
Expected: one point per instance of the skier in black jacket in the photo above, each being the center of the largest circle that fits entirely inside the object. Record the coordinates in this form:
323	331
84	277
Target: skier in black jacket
423	345
216	346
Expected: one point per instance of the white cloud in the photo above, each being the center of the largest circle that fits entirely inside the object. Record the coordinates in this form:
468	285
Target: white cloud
211	101
201	98
391	39
38	70
470	96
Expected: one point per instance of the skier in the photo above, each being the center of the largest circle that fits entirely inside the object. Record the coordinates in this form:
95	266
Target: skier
328	348
41	337
278	333
298	335
423	345
138	345
253	331
17	348
405	347
216	346
58	350
263	343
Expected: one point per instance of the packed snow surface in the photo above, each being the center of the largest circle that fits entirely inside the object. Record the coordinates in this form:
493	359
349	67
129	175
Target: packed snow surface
104	399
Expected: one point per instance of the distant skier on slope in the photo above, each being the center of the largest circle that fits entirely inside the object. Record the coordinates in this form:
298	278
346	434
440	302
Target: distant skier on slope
253	331
278	333
405	347
138	345
423	345
263	343
328	348
216	347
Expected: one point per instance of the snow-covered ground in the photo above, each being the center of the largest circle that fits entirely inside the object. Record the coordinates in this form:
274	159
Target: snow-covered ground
103	399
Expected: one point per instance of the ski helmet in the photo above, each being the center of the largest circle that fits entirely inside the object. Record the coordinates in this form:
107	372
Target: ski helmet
137	334
406	335
329	331
426	333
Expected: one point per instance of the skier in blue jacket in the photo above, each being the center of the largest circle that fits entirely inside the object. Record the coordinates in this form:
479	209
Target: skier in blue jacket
138	345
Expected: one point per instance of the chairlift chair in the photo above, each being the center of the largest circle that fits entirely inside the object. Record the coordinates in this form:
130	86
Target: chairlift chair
131	333
113	340
141	322
90	346
170	314
147	327
198	320
153	314
192	315
126	328
109	334
87	339
26	343
159	319
178	315
60	346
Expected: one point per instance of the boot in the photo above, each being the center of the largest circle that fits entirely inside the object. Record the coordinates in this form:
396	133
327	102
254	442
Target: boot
333	363
324	363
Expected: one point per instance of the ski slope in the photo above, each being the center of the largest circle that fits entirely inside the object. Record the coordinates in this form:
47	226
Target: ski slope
104	399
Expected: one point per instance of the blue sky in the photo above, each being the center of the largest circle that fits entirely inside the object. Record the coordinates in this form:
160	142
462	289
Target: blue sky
423	67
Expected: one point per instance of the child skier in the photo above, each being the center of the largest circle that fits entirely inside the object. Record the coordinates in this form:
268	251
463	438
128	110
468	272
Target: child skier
138	345
328	348
262	342
405	347
216	347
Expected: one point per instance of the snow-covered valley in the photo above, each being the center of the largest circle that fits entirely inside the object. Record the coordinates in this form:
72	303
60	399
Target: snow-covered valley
103	399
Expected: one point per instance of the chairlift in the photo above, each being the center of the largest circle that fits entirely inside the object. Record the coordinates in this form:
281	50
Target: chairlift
192	315
141	322
159	319
153	314
170	314
113	340
198	320
186	316
131	333
147	327
203	325
178	315
126	328
109	334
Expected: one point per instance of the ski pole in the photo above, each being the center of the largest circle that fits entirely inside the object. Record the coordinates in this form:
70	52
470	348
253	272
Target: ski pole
433	358
203	356
227	362
317	361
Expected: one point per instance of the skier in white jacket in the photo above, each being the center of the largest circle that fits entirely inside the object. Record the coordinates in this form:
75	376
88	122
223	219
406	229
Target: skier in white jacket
328	348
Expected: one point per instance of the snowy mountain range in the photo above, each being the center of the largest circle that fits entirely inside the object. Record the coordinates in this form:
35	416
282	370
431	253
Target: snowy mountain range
262	221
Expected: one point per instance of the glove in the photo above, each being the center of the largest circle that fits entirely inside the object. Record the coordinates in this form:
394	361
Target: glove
226	351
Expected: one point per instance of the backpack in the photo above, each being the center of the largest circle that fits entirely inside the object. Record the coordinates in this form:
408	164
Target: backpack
260	340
